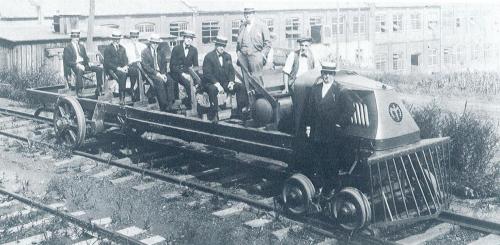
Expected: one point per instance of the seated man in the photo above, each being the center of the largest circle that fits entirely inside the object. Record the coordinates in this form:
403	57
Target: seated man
75	59
150	63
116	63
219	75
134	49
184	56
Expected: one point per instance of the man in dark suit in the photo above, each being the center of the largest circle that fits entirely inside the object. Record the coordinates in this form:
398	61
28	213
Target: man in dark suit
329	109
75	59
219	75
116	63
184	56
163	86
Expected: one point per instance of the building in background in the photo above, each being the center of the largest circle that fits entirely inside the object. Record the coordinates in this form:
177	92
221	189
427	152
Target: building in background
390	38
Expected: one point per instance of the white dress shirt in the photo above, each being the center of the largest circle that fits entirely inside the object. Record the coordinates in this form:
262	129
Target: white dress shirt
326	87
77	51
303	64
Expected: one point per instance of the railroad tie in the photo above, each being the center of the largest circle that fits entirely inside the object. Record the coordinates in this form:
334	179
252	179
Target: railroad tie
145	186
31	240
131	231
238	208
122	180
329	241
104	222
172	195
257	223
490	239
106	172
153	240
430	234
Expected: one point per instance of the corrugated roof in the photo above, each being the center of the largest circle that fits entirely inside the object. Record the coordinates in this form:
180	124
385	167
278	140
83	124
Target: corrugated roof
23	33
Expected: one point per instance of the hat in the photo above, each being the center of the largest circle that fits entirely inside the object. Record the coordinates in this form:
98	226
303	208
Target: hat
304	39
248	11
220	40
75	34
116	34
187	33
134	34
328	67
154	38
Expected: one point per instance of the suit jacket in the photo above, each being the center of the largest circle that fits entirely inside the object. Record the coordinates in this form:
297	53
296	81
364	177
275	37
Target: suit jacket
148	61
114	58
213	72
323	114
69	58
164	54
179	63
259	36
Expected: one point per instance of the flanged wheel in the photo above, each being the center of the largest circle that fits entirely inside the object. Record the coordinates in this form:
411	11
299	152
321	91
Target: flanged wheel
351	209
69	121
298	192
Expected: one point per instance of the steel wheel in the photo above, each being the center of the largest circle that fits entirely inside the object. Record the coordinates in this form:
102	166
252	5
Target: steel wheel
298	192
351	209
69	121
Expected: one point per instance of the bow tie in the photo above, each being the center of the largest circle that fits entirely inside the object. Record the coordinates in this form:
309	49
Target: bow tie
303	55
187	47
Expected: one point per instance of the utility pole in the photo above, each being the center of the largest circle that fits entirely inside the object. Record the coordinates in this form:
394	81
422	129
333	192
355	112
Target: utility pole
90	29
337	34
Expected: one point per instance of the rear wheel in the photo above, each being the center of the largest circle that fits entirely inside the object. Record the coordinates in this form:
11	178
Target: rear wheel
298	192
351	209
69	121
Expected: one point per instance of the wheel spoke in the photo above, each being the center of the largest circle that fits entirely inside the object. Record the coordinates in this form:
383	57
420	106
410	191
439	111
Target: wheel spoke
61	111
72	136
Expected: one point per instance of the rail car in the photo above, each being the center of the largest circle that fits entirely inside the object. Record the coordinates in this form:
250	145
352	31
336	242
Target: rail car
389	174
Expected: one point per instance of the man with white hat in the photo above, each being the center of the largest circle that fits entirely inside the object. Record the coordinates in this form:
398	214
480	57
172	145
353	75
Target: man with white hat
184	56
134	49
116	63
328	111
219	76
151	65
75	59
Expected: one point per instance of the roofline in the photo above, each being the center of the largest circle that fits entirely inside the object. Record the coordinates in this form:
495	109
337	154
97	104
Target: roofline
15	43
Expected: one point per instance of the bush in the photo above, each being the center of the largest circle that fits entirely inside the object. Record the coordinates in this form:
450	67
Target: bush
474	141
13	84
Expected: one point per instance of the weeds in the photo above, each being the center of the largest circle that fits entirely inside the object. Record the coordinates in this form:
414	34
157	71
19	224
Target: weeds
15	84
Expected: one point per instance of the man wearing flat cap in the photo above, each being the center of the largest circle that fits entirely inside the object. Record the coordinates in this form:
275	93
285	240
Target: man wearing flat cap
297	63
134	49
184	56
75	59
328	111
116	63
253	44
219	76
151	65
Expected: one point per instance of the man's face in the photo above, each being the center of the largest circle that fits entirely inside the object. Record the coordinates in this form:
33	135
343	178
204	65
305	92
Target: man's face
154	45
249	17
304	46
327	77
188	40
220	48
116	41
75	39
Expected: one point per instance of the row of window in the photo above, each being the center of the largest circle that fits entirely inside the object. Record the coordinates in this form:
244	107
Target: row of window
381	22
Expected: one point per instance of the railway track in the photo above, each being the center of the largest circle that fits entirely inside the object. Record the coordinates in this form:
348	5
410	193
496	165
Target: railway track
205	169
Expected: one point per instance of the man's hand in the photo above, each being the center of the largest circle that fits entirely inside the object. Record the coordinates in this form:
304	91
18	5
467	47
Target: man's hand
162	77
308	131
80	67
186	76
230	86
219	87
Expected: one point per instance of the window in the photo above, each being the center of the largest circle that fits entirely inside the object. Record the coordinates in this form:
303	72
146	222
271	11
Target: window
176	28
338	25
476	51
416	21
209	31
433	56
145	27
397	61
397	23
457	23
235	30
292	28
315	21
358	24
380	62
380	23
448	56
270	24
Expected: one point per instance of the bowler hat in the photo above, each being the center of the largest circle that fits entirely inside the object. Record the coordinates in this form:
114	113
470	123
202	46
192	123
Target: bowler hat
220	40
75	33
154	38
328	67
248	11
134	34
116	34
188	33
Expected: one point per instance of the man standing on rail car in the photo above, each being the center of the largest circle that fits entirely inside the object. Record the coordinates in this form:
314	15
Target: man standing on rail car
328	110
161	83
184	56
219	76
116	63
297	63
75	59
134	49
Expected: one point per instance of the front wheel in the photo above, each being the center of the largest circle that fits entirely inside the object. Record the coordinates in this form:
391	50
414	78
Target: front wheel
298	192
69	121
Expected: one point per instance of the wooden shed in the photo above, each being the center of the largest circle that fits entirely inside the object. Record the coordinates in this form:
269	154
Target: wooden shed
29	48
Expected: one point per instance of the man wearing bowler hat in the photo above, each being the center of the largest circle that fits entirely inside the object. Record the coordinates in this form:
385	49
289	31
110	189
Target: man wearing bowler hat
151	65
297	63
184	56
253	44
75	59
219	75
116	63
134	49
328	111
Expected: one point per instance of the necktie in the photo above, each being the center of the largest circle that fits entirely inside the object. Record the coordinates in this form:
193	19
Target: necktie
77	46
155	60
186	50
136	51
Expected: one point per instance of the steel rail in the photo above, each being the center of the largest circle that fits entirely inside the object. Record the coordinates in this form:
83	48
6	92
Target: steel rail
89	226
469	222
